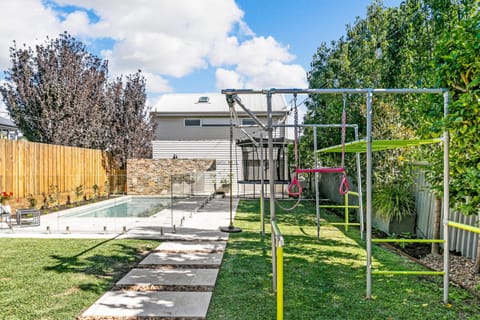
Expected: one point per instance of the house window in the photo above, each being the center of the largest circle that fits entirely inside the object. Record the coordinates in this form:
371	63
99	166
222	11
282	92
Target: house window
216	122
193	123
248	122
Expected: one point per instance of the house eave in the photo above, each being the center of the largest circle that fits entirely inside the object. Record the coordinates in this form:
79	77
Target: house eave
213	114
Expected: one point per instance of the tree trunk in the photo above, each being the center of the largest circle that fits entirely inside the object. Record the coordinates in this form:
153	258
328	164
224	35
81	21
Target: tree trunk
436	224
476	268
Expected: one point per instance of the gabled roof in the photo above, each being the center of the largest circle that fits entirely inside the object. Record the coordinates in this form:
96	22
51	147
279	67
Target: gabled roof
191	103
7	124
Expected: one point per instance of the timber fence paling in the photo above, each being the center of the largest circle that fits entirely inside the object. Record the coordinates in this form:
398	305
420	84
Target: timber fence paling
31	168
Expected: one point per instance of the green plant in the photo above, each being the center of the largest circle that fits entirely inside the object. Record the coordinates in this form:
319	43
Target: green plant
32	202
403	235
394	201
52	195
106	188
78	192
96	191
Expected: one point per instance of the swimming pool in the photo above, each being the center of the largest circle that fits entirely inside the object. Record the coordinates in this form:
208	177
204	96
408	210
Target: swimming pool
124	207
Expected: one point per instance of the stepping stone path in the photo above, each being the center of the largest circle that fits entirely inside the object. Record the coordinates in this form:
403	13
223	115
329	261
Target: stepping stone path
176	280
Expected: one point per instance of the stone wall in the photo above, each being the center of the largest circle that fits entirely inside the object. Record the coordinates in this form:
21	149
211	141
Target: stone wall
152	176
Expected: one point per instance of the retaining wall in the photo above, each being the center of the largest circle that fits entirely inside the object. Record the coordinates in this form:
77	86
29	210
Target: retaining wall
153	176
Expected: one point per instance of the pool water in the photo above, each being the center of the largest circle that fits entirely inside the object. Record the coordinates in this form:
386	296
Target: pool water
123	208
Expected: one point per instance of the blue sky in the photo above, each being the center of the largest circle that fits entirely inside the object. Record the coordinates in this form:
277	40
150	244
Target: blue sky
189	45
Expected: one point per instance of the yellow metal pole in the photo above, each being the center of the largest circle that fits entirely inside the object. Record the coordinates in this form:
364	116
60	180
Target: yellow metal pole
463	226
279	282
346	211
409	240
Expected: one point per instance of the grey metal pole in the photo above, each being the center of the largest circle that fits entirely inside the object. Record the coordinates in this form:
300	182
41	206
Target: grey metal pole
359	189
230	174
317	200
250	113
232	92
369	194
272	186
262	185
171	200
231	228
446	202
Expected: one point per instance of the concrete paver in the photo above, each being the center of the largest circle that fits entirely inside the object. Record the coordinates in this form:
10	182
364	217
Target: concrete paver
181	234
186	246
170	277
152	304
176	279
183	259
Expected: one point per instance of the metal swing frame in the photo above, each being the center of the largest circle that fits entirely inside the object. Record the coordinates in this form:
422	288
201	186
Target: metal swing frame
231	94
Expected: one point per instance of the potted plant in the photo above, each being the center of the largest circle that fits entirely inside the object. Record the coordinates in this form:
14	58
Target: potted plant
394	207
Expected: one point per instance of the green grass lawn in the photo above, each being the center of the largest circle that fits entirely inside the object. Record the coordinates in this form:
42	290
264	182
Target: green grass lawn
324	279
59	278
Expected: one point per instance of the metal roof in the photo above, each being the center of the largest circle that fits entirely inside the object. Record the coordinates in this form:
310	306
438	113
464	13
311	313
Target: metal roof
188	103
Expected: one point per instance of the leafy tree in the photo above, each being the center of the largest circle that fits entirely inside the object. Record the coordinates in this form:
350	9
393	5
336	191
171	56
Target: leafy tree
54	93
130	131
457	62
424	43
59	93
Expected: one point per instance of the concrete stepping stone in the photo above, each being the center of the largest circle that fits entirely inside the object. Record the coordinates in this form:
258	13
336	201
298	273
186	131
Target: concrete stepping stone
151	304
181	234
193	260
189	246
169	279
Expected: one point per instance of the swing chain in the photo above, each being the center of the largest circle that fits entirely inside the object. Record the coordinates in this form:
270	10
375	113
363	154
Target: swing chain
295	119
344	128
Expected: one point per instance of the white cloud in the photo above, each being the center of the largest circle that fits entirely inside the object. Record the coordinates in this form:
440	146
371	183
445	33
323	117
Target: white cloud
160	37
156	83
27	22
228	79
77	23
278	75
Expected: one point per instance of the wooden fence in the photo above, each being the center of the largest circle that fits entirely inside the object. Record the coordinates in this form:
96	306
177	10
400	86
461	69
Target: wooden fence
28	168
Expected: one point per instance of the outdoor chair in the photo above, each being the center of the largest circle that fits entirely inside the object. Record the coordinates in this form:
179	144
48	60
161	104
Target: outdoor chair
5	215
30	216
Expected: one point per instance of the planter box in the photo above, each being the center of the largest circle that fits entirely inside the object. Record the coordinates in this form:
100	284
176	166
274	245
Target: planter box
407	225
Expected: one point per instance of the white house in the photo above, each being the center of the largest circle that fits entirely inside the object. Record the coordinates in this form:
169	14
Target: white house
197	126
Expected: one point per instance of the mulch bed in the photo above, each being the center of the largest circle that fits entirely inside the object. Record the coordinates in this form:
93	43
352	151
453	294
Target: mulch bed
461	268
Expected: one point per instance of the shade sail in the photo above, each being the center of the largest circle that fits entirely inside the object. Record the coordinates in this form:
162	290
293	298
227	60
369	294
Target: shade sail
378	145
